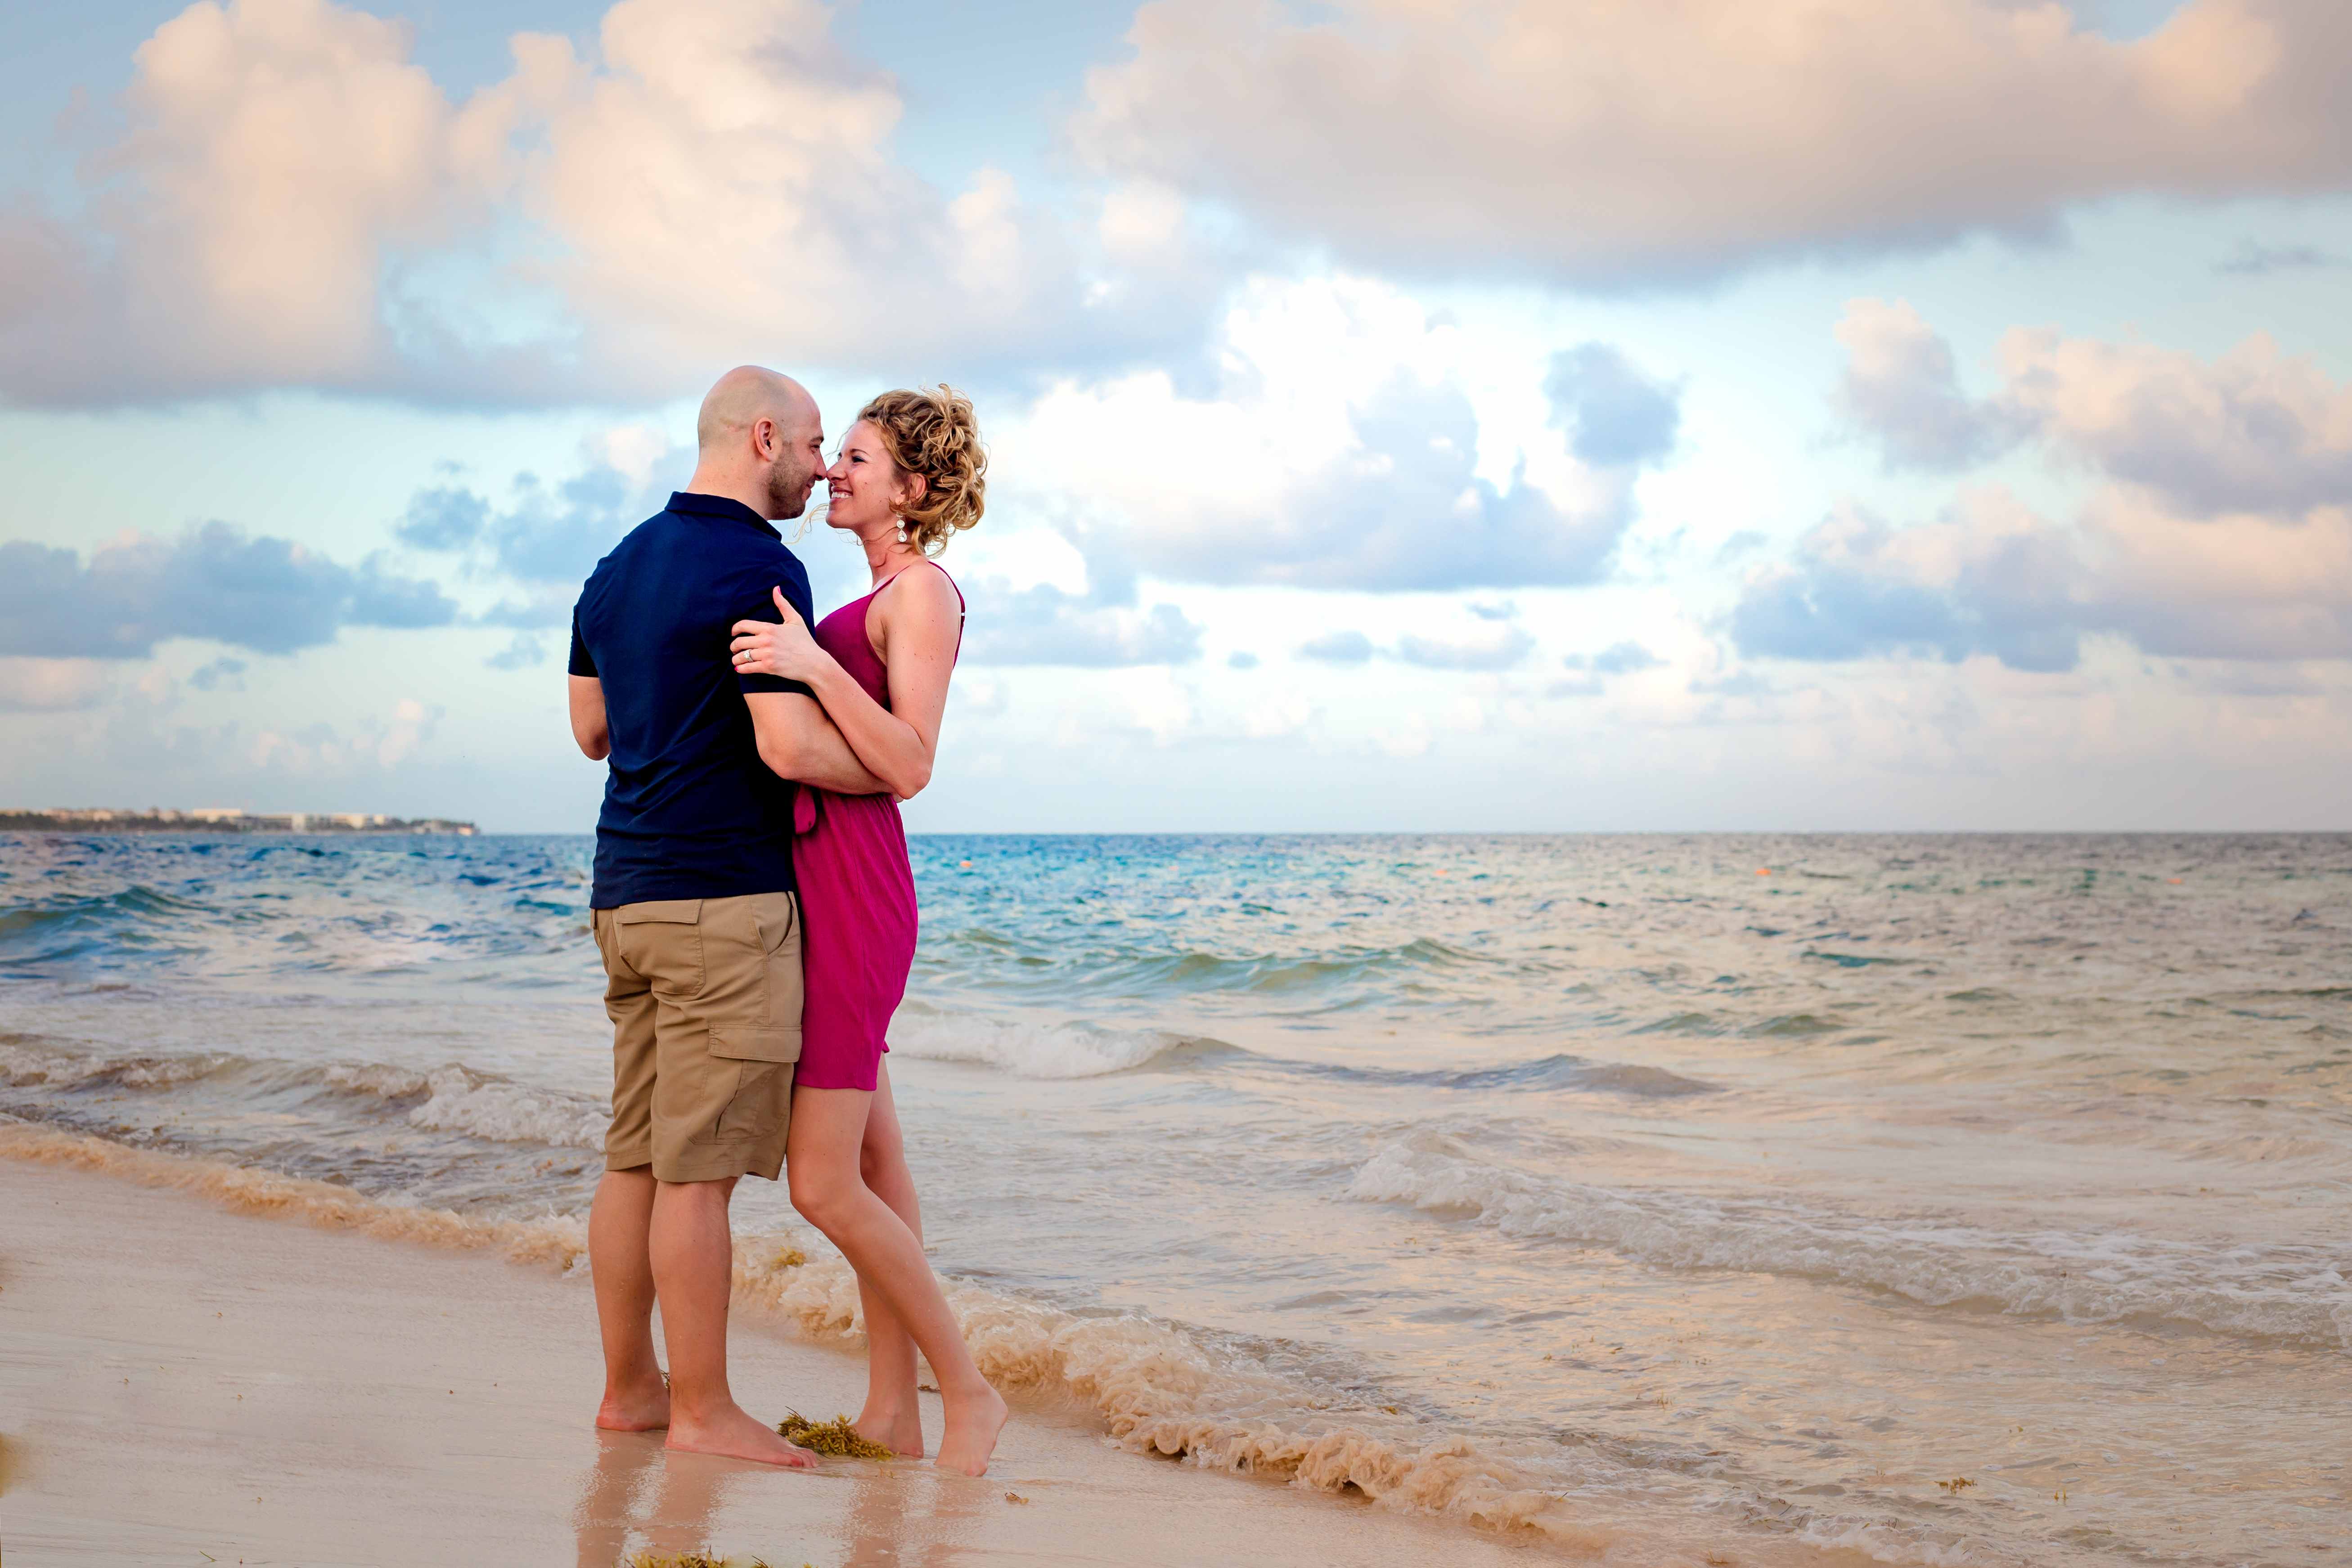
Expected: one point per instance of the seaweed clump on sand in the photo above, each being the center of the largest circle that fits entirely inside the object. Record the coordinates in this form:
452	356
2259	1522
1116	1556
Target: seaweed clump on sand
836	1438
692	1560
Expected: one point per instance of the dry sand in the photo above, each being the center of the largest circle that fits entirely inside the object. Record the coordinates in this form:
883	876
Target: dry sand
179	1384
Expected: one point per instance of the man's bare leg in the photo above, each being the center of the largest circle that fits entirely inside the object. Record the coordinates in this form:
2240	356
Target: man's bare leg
823	1154
694	1272
891	1417
636	1398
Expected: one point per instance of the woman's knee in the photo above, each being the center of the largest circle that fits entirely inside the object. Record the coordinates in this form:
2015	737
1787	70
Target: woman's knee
821	1196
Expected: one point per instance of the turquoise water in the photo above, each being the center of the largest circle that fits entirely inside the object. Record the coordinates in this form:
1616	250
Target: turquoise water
1719	1194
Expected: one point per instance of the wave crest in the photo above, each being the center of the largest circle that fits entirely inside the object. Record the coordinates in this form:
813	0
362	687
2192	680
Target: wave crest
459	1098
1557	1071
1066	1050
2272	1293
452	1097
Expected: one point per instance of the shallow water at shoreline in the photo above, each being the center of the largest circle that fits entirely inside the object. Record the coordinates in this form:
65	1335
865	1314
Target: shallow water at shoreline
1689	1203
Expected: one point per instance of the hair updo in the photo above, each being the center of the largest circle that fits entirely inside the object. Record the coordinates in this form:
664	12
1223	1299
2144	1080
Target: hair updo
935	434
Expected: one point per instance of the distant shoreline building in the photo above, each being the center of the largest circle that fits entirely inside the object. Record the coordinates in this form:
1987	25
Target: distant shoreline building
220	819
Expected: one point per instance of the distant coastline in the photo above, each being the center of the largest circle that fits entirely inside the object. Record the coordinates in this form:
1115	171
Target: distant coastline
220	819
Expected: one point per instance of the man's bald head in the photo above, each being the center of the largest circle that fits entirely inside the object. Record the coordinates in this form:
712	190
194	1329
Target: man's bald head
744	396
761	436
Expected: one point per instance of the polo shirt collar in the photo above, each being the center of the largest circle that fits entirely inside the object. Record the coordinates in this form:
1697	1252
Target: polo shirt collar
701	505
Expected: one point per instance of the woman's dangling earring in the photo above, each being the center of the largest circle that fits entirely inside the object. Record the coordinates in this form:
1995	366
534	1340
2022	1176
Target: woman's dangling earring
902	528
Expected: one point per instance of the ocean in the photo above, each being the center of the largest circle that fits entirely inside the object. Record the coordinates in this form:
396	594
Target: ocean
1912	1198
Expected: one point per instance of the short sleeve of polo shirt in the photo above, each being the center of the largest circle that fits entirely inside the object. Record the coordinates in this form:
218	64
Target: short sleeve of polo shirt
762	608
582	662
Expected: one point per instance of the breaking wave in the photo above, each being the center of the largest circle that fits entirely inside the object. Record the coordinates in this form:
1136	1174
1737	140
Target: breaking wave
452	1097
1070	1048
457	1099
2285	1293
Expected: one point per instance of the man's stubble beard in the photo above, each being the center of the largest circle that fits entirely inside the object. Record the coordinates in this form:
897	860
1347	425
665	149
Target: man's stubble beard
788	489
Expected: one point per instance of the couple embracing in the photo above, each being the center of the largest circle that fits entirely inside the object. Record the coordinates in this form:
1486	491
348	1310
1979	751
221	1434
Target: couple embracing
752	899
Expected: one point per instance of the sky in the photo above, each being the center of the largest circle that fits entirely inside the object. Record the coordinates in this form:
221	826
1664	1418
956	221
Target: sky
1559	415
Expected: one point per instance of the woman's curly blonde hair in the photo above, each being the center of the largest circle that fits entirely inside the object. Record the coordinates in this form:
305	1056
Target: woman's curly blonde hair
934	433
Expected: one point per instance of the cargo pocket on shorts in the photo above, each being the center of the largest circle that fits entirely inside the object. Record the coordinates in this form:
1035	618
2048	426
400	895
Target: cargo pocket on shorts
661	938
763	1060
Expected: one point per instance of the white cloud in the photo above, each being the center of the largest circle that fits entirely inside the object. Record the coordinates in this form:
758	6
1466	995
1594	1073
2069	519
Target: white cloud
2222	528
298	202
2250	429
980	696
51	685
279	154
1278	716
1154	702
216	582
1903	386
80	731
412	726
2253	430
1044	625
1494	649
1596	139
1992	576
1336	450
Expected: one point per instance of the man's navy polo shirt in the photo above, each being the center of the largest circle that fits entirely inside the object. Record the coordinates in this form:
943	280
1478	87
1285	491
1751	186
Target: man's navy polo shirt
690	811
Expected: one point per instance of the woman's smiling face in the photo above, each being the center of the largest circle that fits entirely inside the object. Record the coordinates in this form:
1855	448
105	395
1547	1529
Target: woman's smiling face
864	488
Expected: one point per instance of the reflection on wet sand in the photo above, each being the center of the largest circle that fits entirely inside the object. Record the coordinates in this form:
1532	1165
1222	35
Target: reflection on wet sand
603	1518
636	1497
889	1526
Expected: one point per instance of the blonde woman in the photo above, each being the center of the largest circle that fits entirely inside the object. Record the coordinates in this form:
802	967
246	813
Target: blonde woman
910	475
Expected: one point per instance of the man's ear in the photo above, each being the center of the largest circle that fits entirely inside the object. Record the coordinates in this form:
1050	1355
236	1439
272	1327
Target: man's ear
766	440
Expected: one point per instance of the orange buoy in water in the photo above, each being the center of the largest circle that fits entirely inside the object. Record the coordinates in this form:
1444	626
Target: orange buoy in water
1763	870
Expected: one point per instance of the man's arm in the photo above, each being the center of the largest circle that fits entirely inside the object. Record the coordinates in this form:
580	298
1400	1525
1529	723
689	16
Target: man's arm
588	725
799	742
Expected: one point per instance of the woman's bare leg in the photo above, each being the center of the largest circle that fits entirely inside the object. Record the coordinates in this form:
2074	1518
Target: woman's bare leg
823	1154
891	1417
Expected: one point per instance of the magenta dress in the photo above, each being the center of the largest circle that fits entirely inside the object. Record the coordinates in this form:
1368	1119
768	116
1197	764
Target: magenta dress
856	893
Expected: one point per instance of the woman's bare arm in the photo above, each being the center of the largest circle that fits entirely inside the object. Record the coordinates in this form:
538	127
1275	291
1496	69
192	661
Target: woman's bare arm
919	625
797	742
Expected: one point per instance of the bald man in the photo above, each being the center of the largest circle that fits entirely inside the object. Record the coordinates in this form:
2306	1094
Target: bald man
693	901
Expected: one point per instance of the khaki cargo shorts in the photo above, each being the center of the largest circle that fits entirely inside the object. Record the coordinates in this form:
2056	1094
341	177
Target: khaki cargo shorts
705	998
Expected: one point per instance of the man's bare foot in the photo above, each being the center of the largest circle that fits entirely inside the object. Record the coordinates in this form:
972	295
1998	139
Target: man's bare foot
901	1433
732	1434
635	1409
971	1437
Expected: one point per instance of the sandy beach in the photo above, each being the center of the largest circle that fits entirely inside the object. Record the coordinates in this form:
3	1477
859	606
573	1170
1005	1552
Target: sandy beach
185	1384
1927	1201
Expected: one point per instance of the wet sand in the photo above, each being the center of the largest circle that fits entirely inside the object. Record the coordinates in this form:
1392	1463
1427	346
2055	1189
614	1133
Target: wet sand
179	1382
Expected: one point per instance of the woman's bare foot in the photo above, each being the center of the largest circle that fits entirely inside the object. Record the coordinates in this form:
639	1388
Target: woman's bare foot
901	1432
973	1423
635	1409
732	1434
